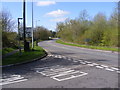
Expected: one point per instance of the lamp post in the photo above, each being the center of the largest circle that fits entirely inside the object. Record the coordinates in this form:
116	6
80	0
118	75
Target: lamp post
19	34
32	28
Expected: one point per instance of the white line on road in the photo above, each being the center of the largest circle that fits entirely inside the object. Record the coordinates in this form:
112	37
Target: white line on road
99	67
69	59
82	62
56	73
114	68
12	79
71	77
62	74
95	64
87	62
90	64
4	83
118	71
109	69
104	66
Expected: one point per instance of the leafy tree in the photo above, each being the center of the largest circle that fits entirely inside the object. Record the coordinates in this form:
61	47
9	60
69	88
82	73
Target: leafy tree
8	25
42	33
99	31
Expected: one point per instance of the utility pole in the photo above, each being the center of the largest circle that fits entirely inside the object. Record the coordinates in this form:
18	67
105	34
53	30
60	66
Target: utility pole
24	26
32	28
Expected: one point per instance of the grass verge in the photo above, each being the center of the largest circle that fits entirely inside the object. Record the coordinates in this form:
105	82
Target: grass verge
26	56
88	46
7	50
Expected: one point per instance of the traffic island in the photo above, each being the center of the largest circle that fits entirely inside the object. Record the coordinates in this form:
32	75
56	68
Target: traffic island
25	57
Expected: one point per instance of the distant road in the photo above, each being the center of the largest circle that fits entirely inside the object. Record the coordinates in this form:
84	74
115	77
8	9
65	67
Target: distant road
66	67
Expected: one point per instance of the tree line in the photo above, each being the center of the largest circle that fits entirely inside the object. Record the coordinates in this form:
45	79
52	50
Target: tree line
99	31
9	31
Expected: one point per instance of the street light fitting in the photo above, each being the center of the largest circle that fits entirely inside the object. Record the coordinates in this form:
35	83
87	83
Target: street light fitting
20	18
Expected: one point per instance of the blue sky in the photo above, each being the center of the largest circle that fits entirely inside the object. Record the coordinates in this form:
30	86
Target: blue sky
49	13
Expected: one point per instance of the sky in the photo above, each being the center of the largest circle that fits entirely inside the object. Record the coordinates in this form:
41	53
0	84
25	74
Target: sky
48	13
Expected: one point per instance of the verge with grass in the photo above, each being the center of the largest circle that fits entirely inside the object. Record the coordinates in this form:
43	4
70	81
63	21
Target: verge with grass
7	50
25	57
88	46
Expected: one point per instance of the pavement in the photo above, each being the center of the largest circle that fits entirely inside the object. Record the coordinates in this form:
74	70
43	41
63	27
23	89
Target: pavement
65	67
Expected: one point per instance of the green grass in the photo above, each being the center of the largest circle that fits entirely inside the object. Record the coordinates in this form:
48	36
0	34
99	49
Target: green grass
87	46
26	56
7	50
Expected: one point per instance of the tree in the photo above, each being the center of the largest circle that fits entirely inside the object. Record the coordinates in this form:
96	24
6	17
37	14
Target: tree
8	25
42	33
97	31
98	28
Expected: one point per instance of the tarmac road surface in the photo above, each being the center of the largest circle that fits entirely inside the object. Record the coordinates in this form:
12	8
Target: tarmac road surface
65	67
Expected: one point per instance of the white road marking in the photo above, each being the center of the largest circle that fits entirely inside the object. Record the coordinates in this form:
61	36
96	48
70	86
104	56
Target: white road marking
59	56
61	69
114	68
95	64
90	64
109	69
69	59
52	55
64	57
49	55
87	62
71	77
56	56
56	70
12	79
82	62
104	66
56	73
62	74
118	71
99	67
51	71
4	83
42	68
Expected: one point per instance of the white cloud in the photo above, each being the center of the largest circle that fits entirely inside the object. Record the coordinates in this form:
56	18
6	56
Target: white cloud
57	13
45	3
58	19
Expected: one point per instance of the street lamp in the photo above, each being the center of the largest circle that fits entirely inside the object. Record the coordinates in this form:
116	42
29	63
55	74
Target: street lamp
32	28
19	34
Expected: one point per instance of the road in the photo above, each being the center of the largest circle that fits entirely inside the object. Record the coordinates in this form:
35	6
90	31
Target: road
65	67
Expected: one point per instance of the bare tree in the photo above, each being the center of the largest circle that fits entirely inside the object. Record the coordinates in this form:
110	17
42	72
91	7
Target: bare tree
7	22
